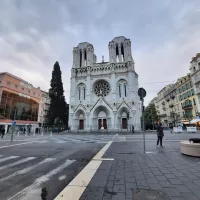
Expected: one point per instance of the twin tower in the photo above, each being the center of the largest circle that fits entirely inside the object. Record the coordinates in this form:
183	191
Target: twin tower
119	51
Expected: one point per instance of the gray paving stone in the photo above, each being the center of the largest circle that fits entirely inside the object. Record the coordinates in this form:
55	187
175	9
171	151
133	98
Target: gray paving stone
129	194
120	176
139	176
119	196
176	198
155	186
166	184
131	185
119	188
184	179
152	180
110	184
111	178
142	183
170	175
161	178
189	196
175	181
197	192
192	185
182	188
119	181
157	173
172	192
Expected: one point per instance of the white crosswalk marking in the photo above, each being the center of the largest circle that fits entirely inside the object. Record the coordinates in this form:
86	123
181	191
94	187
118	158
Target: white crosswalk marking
8	158
28	169
42	179
17	163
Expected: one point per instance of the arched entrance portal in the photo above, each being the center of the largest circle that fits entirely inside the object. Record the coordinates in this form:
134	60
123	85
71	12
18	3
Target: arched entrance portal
124	120
102	120
81	122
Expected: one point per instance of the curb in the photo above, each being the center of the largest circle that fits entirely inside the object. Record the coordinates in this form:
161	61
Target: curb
77	186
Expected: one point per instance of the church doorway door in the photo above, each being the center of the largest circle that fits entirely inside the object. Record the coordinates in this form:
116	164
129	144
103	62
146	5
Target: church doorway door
102	120
81	122
124	123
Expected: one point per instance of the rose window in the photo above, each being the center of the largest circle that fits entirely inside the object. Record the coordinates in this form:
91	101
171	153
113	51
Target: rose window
101	88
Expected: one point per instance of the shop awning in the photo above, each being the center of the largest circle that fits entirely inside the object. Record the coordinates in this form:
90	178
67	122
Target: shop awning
194	121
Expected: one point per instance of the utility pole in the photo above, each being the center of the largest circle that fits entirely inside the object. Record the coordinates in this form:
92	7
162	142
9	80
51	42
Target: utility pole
142	94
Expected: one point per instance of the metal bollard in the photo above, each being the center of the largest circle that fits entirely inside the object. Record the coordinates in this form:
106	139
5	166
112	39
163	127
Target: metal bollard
18	133
51	133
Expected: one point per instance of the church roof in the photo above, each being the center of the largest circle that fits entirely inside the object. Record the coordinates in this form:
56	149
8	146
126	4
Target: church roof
83	44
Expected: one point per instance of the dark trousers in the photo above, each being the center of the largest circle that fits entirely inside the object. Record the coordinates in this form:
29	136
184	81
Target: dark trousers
2	134
159	140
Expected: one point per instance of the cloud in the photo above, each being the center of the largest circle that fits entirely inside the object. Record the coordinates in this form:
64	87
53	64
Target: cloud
34	34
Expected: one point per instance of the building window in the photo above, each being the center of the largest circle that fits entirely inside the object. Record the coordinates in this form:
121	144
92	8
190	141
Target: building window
8	83
0	82
29	91
125	90
79	95
84	93
16	86
119	91
23	89
33	93
194	101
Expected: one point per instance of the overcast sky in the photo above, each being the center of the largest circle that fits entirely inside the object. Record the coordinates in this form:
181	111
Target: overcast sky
165	35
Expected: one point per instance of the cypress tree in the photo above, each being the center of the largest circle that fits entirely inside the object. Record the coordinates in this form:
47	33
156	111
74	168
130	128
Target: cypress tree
58	109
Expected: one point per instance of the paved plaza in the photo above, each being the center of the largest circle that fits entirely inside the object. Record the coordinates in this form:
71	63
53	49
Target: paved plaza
31	162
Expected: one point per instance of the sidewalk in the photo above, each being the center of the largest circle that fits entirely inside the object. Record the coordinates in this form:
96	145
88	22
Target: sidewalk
161	173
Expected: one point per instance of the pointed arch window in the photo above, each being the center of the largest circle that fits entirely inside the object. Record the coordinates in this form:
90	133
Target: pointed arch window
119	90
79	93
117	53
125	90
84	93
80	58
85	58
122	52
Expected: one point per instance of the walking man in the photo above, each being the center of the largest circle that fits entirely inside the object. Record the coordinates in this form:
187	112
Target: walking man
160	133
2	132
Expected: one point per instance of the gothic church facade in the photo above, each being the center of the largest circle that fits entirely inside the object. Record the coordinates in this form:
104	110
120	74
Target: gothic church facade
103	96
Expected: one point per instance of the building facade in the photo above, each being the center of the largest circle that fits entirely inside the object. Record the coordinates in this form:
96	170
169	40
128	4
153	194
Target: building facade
195	77
103	96
43	108
176	103
19	102
187	98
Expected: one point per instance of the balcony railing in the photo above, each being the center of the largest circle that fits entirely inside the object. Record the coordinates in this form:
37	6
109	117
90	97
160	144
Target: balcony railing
187	106
196	79
197	91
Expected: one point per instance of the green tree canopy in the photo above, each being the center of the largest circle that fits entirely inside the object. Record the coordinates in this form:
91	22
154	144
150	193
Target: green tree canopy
58	108
150	116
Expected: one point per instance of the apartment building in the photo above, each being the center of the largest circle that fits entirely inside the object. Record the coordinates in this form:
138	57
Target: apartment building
19	102
195	77
186	96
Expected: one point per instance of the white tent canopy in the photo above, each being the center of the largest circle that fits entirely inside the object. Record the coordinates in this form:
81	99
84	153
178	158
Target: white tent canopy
194	121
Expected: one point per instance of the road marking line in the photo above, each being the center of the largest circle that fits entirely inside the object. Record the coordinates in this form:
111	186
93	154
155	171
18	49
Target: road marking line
16	145
62	178
42	179
28	169
17	163
8	158
102	151
77	186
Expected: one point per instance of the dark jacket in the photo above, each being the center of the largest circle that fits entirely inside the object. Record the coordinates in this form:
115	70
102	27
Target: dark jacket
159	129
